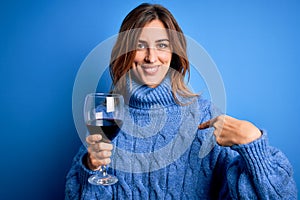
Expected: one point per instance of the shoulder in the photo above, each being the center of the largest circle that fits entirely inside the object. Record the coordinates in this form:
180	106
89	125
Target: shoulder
207	109
204	104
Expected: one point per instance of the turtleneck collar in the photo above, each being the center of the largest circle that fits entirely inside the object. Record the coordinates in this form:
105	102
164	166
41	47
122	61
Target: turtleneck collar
144	97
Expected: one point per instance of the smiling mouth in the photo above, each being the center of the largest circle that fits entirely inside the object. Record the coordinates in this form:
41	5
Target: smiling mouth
150	69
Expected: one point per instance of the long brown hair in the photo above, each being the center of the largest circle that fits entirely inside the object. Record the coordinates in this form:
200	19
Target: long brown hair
124	51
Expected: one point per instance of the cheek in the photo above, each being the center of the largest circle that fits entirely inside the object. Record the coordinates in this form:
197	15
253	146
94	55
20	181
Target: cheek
139	56
165	57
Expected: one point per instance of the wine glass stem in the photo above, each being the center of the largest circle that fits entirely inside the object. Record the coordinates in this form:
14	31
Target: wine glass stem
103	170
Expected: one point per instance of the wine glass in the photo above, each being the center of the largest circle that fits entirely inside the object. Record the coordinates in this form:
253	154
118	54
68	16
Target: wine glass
103	114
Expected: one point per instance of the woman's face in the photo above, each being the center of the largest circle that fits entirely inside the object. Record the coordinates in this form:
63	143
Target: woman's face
153	54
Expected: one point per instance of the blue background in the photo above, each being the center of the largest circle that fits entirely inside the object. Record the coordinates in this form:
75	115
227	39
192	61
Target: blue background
255	45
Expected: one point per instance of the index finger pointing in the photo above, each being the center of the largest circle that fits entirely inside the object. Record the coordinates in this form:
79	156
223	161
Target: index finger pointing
204	125
208	123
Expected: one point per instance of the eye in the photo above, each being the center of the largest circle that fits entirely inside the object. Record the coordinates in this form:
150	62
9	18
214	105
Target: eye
141	46
162	46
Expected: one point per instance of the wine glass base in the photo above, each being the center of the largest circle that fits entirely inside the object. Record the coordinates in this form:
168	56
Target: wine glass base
103	180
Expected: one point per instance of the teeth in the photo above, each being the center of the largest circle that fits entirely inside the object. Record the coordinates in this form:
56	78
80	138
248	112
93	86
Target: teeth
150	69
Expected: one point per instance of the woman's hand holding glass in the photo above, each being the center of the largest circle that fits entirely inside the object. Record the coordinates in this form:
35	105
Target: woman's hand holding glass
99	152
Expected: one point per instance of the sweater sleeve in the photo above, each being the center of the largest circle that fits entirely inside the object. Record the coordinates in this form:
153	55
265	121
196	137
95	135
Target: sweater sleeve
77	185
260	172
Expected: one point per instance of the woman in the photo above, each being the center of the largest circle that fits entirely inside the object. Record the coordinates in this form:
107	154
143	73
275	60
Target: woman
148	66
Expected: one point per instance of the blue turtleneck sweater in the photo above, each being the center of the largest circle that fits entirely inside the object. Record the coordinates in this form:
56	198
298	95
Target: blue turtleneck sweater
160	154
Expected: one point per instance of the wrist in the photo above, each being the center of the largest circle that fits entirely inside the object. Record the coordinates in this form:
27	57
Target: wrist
249	133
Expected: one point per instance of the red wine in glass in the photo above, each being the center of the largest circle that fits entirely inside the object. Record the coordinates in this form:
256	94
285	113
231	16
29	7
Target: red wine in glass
108	128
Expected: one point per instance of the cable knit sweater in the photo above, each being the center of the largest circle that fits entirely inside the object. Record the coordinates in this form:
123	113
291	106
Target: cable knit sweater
160	154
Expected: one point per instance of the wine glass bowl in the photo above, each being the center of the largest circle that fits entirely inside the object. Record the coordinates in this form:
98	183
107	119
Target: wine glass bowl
103	114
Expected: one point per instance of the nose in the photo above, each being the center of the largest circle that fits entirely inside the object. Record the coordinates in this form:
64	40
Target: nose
151	56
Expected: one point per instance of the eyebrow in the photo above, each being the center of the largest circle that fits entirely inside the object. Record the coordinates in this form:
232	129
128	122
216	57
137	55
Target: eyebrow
157	41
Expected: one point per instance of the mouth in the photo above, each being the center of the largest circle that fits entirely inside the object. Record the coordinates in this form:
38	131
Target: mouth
150	69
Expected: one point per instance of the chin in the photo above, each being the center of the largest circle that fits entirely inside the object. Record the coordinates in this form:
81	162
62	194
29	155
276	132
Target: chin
153	84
